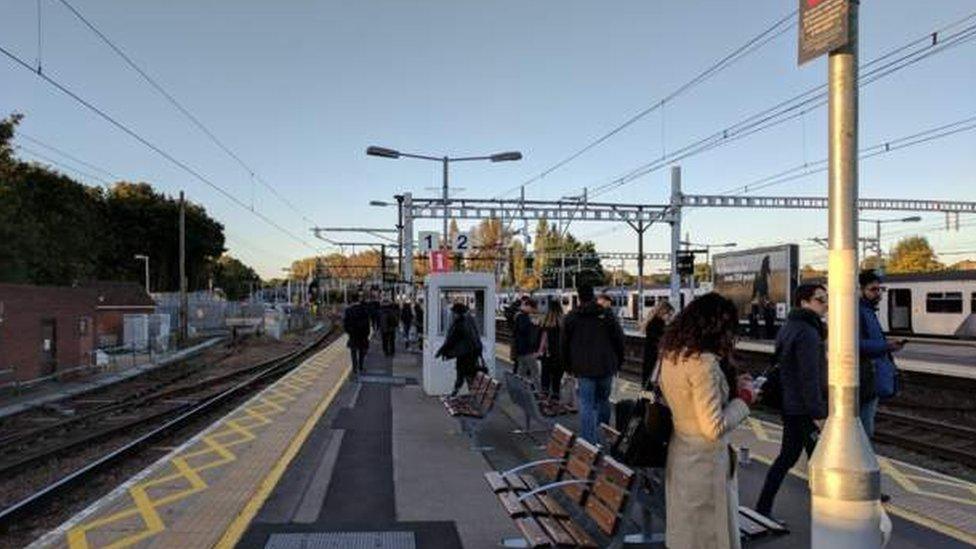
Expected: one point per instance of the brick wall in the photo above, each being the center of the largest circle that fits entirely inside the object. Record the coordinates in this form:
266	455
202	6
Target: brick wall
25	310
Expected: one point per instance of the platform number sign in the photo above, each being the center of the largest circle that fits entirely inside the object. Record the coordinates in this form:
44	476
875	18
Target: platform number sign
462	243
430	241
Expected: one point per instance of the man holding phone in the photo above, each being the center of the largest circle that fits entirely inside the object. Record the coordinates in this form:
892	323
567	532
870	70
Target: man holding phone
877	365
802	359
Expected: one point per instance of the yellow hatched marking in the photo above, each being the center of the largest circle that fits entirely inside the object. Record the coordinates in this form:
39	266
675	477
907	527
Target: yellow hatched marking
233	431
900	479
960	484
760	430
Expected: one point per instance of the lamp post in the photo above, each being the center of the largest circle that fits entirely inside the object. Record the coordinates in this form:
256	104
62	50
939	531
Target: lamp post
445	160
145	259
399	228
877	233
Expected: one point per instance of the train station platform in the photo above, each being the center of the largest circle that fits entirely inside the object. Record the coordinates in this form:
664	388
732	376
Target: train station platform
326	459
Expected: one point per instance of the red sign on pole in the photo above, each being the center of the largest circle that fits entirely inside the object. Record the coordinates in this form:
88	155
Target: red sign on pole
440	261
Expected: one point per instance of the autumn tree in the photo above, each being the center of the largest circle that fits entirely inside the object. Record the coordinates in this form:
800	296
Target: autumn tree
235	278
913	254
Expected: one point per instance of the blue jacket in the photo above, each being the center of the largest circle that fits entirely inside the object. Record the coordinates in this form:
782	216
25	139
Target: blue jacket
873	349
802	360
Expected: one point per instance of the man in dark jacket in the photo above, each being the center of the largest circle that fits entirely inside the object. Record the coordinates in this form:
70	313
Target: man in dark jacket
525	338
406	318
389	320
592	350
802	360
356	322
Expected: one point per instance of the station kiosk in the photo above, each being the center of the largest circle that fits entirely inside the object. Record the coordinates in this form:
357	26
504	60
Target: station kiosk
442	290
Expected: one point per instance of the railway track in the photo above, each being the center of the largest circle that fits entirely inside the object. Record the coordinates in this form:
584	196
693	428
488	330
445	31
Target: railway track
149	418
953	442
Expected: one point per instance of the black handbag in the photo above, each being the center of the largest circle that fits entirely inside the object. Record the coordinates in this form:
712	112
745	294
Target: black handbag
646	426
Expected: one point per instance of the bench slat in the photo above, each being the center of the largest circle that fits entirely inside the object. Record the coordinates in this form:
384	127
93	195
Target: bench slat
512	505
582	538
604	518
532	532
556	532
553	506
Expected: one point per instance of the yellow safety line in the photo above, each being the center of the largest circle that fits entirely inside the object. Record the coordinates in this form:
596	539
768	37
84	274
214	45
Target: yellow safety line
237	528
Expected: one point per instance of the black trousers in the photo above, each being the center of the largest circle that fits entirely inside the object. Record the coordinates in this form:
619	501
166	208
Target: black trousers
358	358
389	343
551	376
799	433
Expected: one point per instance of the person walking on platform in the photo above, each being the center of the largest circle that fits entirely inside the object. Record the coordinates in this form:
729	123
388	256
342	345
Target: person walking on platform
356	323
592	350
802	359
373	306
418	321
389	320
707	401
653	331
526	341
462	343
406	319
550	352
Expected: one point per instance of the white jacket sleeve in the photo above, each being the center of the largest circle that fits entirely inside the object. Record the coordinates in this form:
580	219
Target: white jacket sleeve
714	419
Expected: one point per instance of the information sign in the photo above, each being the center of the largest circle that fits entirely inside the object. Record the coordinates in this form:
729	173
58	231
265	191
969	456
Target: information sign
823	27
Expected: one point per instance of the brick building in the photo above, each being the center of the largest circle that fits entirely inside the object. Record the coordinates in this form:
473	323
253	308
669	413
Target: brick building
49	329
44	330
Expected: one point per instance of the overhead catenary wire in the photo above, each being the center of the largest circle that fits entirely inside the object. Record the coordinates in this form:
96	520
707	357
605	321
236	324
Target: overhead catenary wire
61	165
155	148
181	108
73	158
770	33
810	168
932	43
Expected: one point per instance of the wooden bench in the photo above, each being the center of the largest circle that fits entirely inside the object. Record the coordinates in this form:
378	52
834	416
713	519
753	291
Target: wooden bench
475	391
472	412
550	468
752	524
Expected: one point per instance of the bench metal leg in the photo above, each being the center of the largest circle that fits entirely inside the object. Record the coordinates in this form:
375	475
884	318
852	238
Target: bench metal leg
514	542
474	430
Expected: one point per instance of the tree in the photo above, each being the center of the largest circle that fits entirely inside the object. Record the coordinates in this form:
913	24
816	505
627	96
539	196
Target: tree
808	272
913	254
235	278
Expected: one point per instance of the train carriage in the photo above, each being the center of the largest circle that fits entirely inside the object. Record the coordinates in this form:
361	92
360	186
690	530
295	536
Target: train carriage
930	304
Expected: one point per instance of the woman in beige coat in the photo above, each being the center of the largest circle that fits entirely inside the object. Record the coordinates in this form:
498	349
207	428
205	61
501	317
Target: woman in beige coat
700	486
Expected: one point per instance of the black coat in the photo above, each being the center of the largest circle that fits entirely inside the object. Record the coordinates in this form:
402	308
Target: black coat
462	343
526	335
355	321
802	358
406	315
592	341
389	318
554	352
652	338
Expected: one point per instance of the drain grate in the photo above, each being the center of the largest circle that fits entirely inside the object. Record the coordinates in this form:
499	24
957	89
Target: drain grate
343	540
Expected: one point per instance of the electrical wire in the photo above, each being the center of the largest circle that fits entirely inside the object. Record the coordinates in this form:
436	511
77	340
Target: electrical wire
155	148
52	148
179	106
756	42
931	44
61	165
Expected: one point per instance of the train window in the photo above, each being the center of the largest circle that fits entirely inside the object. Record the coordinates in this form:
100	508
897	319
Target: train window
943	302
972	304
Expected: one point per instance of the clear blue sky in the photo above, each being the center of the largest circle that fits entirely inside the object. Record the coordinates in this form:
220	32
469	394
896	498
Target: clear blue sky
298	89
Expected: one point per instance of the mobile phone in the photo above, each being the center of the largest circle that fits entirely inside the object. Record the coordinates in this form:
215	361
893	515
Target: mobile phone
758	383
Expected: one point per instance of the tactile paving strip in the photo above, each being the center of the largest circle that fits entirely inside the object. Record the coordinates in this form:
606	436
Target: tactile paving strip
343	540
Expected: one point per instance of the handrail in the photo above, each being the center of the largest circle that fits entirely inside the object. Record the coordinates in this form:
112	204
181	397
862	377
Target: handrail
514	470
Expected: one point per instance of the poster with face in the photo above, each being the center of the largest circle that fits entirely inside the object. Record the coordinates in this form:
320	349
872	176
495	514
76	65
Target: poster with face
758	279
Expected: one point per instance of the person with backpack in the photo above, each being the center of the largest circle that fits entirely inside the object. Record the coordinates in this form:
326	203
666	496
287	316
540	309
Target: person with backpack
463	344
802	361
356	323
593	351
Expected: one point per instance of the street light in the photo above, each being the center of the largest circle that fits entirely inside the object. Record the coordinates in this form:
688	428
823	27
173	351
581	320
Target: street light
401	275
144	258
384	152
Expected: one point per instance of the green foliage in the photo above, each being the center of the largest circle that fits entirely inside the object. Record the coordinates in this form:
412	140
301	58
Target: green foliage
913	254
56	231
235	278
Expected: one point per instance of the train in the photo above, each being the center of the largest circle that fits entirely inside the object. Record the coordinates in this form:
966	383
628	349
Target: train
940	304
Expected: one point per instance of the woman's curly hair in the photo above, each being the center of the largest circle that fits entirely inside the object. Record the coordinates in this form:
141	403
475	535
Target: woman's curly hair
707	325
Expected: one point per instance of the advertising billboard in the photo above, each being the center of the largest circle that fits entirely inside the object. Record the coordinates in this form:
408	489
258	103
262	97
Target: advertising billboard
758	277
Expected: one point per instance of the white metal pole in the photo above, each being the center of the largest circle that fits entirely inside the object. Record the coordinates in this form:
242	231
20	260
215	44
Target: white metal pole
408	243
675	236
844	473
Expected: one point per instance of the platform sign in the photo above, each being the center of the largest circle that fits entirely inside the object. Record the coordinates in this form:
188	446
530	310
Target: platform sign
439	261
462	243
430	241
823	27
